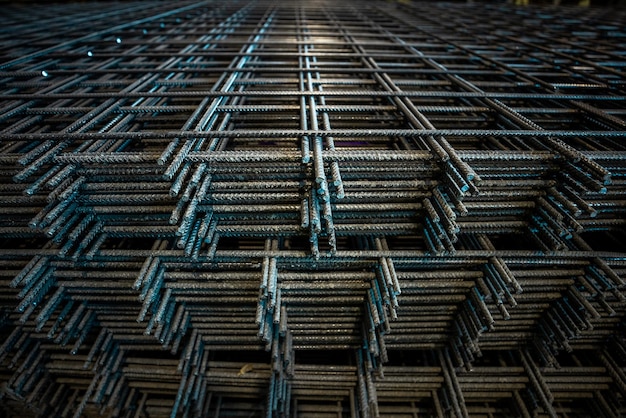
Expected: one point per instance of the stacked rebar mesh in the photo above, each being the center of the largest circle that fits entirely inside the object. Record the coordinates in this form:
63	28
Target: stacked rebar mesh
315	209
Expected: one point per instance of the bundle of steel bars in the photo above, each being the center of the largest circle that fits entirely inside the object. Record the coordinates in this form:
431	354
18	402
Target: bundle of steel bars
312	209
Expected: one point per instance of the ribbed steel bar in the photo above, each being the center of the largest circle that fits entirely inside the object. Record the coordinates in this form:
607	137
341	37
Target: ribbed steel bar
364	209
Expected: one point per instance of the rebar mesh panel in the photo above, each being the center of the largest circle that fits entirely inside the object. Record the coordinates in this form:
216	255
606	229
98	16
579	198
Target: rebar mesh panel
312	209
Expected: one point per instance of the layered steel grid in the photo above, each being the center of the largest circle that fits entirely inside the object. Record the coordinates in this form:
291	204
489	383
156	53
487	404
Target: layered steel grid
314	209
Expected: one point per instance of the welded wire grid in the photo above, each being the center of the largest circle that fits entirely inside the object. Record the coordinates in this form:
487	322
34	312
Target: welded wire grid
312	209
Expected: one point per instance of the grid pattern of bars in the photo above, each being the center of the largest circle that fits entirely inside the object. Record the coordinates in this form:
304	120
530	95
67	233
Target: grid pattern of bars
312	209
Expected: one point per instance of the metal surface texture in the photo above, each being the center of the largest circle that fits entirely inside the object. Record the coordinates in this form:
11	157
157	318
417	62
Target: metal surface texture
312	209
